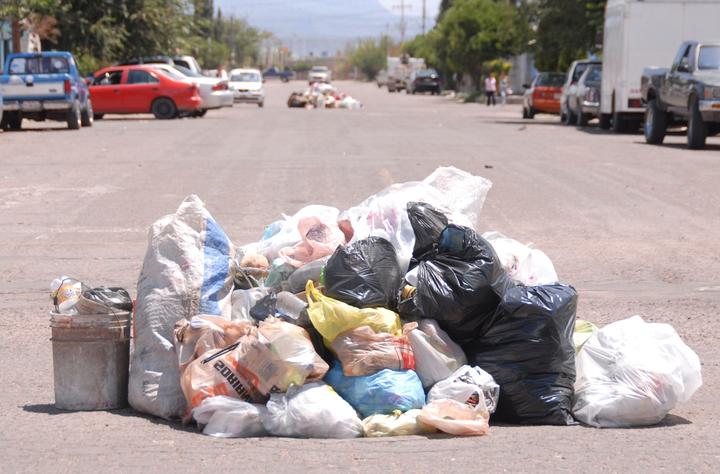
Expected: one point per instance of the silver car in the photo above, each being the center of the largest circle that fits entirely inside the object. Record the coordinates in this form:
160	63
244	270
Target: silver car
215	93
577	68
587	98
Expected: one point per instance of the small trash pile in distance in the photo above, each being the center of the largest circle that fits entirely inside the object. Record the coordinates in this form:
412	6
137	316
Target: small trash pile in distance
322	96
393	317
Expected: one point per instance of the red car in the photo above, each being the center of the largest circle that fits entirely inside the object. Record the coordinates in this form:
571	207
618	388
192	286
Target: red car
543	95
141	89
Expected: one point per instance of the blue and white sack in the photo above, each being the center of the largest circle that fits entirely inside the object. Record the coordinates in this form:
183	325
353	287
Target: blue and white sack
188	270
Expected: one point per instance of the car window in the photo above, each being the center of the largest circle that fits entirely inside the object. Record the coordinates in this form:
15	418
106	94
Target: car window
110	78
245	77
187	72
39	65
137	76
181	62
594	75
172	74
709	57
319	69
579	70
550	80
427	73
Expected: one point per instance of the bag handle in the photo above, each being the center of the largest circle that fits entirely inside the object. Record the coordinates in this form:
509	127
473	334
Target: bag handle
312	294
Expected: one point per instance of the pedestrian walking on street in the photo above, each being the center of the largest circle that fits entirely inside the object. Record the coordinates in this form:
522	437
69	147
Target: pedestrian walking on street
503	89
490	89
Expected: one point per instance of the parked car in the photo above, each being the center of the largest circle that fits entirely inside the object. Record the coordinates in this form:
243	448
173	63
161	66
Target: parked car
275	73
381	78
143	89
187	62
642	33
687	93
586	103
215	93
424	80
44	86
319	74
542	95
247	86
577	68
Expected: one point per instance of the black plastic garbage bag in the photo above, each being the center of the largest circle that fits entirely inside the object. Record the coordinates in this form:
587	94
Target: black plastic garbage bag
528	349
459	286
104	299
427	223
364	274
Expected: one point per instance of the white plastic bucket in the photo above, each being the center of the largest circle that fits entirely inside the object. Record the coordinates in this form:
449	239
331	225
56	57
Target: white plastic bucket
90	360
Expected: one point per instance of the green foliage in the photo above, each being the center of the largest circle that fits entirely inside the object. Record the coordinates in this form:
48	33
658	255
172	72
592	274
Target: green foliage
100	32
567	30
472	32
370	56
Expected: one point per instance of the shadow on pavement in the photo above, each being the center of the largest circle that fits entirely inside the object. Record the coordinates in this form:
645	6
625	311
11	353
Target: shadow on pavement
683	146
525	122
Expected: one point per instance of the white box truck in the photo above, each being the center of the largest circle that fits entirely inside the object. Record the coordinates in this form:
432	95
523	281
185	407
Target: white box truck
640	34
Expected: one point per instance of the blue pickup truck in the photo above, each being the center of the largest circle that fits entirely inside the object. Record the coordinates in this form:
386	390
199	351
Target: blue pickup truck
44	86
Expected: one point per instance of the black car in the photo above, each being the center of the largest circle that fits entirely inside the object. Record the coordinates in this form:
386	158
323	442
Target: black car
425	80
274	72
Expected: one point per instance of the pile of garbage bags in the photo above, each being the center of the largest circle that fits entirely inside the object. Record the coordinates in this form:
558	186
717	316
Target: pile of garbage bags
389	318
321	95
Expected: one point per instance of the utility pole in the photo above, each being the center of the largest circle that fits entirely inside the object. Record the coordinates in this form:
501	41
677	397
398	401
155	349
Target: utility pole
403	5
423	17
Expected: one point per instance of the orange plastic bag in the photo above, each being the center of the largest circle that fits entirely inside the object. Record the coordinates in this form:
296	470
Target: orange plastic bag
204	333
363	351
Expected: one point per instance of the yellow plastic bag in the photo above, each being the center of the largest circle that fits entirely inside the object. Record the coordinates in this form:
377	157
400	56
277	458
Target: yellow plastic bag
332	317
395	424
583	331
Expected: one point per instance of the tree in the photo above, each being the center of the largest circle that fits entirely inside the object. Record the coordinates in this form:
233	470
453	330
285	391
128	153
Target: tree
18	10
472	32
370	56
567	30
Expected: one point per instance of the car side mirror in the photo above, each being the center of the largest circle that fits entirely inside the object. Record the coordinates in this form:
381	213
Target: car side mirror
526	86
683	67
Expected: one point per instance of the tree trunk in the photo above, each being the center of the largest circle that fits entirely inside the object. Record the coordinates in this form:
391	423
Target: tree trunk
15	35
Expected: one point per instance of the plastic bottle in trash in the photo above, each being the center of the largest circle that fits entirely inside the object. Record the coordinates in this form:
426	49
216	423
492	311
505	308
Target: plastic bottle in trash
65	292
290	305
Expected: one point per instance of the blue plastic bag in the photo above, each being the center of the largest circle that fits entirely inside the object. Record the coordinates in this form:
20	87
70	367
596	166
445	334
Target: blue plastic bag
383	392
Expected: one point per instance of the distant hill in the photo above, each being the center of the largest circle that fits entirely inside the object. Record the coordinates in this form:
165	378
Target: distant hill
319	26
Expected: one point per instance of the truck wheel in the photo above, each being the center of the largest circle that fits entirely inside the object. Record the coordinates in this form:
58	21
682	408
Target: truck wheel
655	123
11	121
619	124
87	116
697	130
164	109
605	121
73	116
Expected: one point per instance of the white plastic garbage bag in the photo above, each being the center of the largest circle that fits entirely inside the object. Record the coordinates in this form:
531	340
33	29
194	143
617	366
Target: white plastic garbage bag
632	373
469	385
436	355
452	417
523	264
395	424
225	417
313	410
188	270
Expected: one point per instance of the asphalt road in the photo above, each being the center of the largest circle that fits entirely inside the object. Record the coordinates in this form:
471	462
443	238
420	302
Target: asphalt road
634	227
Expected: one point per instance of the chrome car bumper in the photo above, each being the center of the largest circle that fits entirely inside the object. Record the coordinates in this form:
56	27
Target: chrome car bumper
710	109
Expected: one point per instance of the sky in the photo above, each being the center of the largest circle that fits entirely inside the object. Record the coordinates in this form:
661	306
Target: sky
325	26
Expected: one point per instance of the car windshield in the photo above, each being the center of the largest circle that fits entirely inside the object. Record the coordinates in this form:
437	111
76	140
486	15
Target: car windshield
319	69
245	77
39	65
427	73
186	71
594	75
550	80
709	57
171	73
579	70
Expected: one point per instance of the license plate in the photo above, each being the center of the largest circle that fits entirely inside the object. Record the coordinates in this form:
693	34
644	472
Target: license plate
31	105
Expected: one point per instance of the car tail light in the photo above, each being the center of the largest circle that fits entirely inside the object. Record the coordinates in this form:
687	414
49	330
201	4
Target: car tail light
635	103
68	87
220	86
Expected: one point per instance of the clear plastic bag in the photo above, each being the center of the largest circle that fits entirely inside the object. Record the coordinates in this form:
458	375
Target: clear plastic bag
395	424
292	345
436	355
583	331
632	373
225	417
204	333
523	264
311	411
363	351
455	418
469	385
319	238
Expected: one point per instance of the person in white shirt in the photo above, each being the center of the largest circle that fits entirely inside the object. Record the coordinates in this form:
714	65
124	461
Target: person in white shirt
490	89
